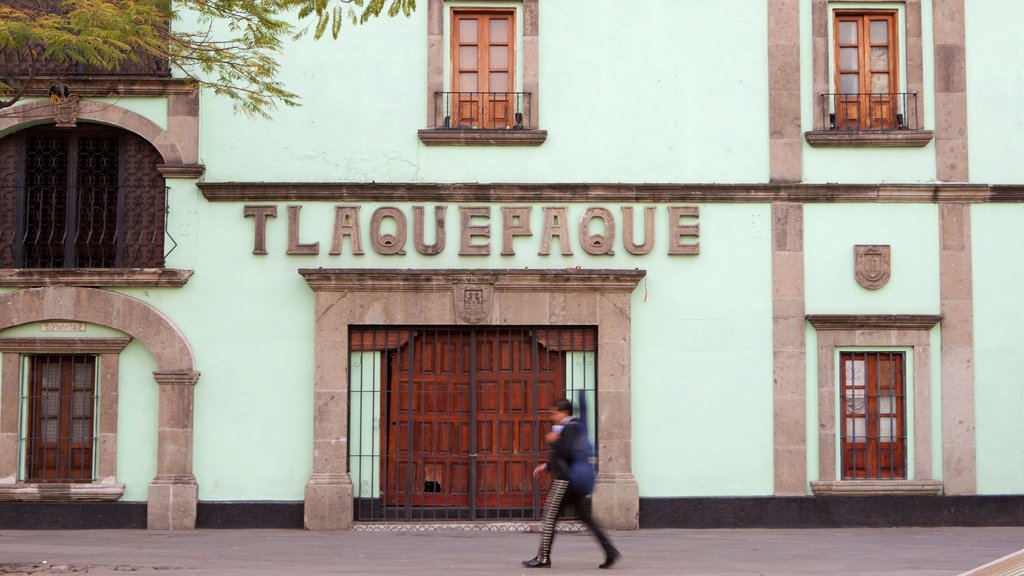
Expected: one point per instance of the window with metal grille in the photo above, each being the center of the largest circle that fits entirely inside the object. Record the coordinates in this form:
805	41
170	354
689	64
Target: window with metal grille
448	423
61	409
874	436
89	198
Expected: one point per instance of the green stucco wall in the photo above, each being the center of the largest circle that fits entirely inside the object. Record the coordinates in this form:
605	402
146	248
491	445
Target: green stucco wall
602	77
995	76
832	231
999	347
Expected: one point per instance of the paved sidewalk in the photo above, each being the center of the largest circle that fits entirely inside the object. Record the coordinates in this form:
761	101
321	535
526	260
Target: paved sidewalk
904	551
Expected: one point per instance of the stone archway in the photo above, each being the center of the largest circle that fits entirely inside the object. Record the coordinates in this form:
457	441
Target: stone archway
173	494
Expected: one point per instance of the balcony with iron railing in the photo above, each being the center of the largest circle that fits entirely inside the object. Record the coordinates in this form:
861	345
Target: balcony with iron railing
483	118
875	119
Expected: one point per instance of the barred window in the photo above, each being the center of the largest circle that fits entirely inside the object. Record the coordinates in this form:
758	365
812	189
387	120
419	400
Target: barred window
61	414
89	198
874	436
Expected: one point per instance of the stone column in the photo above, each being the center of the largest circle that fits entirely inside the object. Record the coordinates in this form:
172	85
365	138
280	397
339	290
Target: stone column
789	350
10	407
951	152
328	500
173	494
785	139
616	500
959	459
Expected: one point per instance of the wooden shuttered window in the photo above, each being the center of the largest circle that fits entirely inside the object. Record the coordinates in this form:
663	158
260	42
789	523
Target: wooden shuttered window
483	68
62	390
866	69
873	398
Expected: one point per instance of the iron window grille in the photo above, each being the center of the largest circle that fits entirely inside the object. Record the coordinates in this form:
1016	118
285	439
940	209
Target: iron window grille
448	423
72	208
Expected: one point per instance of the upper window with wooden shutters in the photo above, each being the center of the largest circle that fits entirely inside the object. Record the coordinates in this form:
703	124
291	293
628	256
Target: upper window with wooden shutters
868	74
482	76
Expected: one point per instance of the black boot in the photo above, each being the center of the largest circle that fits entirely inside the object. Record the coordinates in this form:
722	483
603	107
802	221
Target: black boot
537	563
610	556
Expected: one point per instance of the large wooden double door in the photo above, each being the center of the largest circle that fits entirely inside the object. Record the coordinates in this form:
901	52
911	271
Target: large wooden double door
466	413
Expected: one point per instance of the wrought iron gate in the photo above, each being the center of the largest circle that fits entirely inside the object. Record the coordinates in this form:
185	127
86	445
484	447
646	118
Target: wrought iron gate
449	423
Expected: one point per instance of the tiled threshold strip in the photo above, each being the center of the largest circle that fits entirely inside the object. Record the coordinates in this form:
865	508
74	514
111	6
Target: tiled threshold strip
1012	565
562	527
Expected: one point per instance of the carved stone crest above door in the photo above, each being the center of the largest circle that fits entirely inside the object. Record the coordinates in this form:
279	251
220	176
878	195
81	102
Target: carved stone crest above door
473	302
872	265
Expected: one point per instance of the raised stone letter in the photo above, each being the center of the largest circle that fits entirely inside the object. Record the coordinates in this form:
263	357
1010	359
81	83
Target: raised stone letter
677	231
346	223
294	245
388	244
554	225
627	231
597	244
260	215
469	231
418	232
515	221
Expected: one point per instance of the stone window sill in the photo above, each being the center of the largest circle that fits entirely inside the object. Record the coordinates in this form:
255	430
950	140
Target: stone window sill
456	137
864	139
95	277
877	488
100	492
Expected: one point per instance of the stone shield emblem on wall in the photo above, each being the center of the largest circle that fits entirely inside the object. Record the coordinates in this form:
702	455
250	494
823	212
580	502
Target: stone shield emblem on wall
872	265
473	302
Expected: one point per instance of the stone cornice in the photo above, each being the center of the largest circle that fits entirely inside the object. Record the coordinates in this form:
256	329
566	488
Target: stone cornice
64	345
181	170
449	137
102	86
865	139
571	280
95	277
186	377
873	322
598	193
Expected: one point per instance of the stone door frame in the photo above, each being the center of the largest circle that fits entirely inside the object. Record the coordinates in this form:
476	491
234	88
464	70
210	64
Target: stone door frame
352	297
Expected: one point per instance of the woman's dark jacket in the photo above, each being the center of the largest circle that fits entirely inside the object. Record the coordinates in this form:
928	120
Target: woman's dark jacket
561	453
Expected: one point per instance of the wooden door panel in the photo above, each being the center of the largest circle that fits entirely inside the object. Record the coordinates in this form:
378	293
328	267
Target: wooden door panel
430	391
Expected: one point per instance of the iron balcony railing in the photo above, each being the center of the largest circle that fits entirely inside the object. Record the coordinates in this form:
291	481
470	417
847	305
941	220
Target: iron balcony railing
483	110
876	111
86	226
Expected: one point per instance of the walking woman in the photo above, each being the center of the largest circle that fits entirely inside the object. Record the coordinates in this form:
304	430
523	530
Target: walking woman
562	439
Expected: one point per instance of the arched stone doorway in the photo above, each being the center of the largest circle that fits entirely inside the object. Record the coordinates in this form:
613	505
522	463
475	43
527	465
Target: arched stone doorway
173	493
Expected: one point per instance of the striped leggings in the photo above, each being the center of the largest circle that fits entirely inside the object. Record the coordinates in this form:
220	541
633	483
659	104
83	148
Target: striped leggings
549	517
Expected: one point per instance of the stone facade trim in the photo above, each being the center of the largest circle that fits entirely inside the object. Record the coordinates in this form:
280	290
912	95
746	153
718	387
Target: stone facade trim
878	488
597	193
173	494
101	492
457	137
95	277
865	138
874	321
64	345
345	298
836	332
181	170
106	86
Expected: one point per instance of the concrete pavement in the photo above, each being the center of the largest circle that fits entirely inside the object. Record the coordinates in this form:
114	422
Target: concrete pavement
904	551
